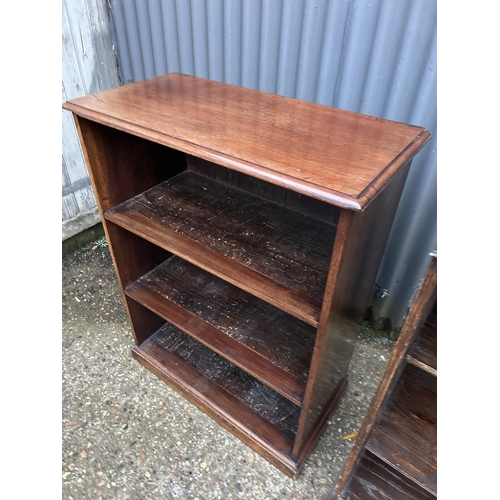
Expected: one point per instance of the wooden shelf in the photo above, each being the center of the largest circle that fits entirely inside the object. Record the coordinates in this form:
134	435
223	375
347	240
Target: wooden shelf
423	352
266	342
234	398
279	255
406	435
375	480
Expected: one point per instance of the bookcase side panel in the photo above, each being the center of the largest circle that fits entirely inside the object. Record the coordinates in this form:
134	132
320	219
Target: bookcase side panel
357	253
122	165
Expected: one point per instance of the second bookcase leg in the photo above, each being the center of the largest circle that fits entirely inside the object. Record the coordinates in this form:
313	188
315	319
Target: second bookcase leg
358	249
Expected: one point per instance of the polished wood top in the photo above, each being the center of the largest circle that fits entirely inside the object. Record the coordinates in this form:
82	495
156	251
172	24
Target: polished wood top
337	156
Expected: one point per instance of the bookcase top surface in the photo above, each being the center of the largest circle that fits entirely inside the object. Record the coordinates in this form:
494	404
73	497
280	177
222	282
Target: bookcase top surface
337	156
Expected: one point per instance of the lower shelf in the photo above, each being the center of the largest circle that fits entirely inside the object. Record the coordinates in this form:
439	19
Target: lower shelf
406	435
279	255
256	414
267	343
374	479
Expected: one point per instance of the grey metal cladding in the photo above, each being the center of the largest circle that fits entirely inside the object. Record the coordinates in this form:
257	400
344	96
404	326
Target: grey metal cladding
372	56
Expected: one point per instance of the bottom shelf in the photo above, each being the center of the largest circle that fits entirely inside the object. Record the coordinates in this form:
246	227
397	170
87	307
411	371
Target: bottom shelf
374	479
406	435
256	414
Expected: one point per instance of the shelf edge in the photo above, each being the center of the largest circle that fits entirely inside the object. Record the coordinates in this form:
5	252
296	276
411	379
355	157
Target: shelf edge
183	248
184	319
401	471
355	203
423	366
231	424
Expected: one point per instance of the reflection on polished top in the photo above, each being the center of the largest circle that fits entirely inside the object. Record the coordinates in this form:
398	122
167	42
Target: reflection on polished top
341	157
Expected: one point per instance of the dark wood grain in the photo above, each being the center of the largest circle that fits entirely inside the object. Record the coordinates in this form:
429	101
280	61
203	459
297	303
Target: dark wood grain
143	321
423	352
122	165
419	310
115	162
259	416
238	180
312	207
375	480
320	423
432	316
359	246
273	408
269	344
279	195
406	434
338	156
276	254
133	257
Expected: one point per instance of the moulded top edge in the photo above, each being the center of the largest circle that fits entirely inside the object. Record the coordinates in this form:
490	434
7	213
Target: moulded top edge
338	156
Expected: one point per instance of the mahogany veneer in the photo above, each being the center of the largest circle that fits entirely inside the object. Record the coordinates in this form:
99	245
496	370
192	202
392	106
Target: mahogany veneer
246	230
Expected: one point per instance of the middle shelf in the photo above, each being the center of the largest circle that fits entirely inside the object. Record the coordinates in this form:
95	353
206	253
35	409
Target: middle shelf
277	254
264	341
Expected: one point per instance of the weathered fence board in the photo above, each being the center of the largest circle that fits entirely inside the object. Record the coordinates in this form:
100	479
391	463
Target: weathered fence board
88	65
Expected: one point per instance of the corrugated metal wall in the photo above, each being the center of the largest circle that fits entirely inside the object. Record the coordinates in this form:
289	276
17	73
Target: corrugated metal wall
88	65
373	56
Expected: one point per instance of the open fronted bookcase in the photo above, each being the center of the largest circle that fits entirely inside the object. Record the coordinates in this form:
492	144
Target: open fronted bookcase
246	230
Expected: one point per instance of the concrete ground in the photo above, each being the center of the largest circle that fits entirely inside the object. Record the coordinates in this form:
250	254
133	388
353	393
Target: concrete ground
127	435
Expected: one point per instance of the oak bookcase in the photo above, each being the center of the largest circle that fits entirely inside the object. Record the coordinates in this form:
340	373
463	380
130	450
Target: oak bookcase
395	453
246	230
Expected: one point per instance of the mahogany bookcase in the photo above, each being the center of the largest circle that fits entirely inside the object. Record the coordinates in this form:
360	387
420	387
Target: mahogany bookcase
246	230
